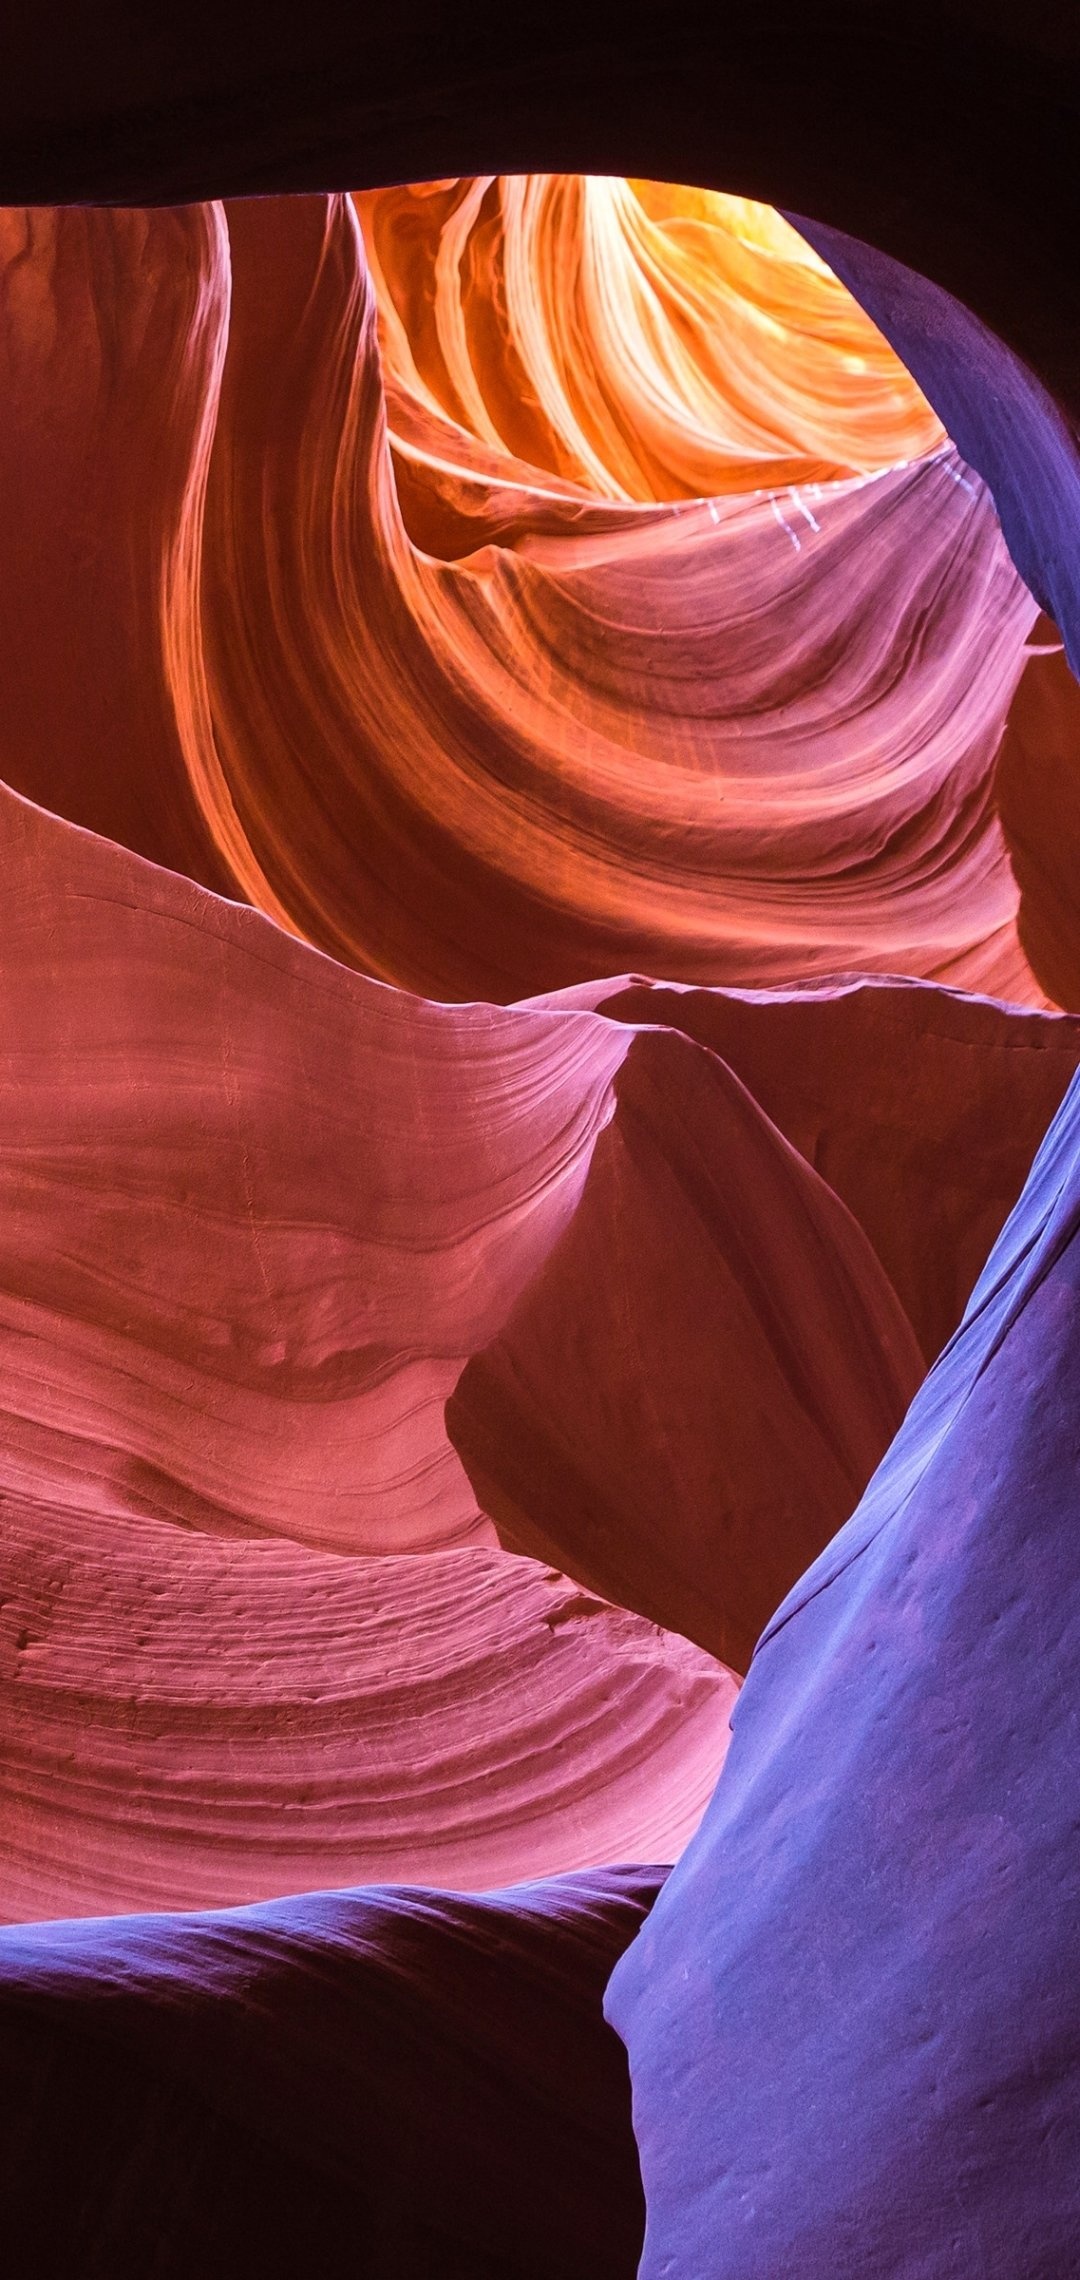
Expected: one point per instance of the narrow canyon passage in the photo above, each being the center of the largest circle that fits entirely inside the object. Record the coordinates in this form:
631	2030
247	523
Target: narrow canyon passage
540	956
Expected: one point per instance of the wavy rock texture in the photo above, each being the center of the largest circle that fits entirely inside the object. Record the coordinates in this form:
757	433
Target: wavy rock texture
402	2084
194	1724
876	1932
260	1210
624	337
264	1212
225	1322
189	1724
554	757
497	774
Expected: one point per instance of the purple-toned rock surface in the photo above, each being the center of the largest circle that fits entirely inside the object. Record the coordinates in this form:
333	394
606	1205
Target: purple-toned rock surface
852	2021
401	2083
1000	416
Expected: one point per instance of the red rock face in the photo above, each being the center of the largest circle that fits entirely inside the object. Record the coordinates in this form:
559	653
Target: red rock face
1035	790
707	1274
538	952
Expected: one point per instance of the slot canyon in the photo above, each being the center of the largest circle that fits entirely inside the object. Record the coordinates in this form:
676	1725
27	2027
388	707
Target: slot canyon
539	1439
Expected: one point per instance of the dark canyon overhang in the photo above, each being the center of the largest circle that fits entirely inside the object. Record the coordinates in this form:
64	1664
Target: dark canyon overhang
941	131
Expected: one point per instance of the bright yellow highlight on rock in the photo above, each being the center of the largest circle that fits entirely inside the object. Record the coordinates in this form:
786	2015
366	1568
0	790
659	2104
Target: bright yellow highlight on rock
639	340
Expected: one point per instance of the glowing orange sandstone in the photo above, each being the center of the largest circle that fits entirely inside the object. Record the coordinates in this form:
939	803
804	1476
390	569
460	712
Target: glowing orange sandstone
596	590
730	740
645	341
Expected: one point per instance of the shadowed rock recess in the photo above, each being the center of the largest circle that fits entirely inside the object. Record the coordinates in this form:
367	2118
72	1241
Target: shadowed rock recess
540	952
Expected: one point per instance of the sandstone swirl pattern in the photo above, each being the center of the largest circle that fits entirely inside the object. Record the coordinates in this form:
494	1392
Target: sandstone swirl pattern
547	735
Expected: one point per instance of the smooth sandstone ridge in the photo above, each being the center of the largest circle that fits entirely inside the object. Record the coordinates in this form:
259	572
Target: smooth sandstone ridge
399	2083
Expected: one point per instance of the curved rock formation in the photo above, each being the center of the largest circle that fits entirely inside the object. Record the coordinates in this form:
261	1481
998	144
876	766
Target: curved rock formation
732	739
190	1724
636	339
403	2083
497	776
260	1210
265	1209
876	1932
689	1397
921	1108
